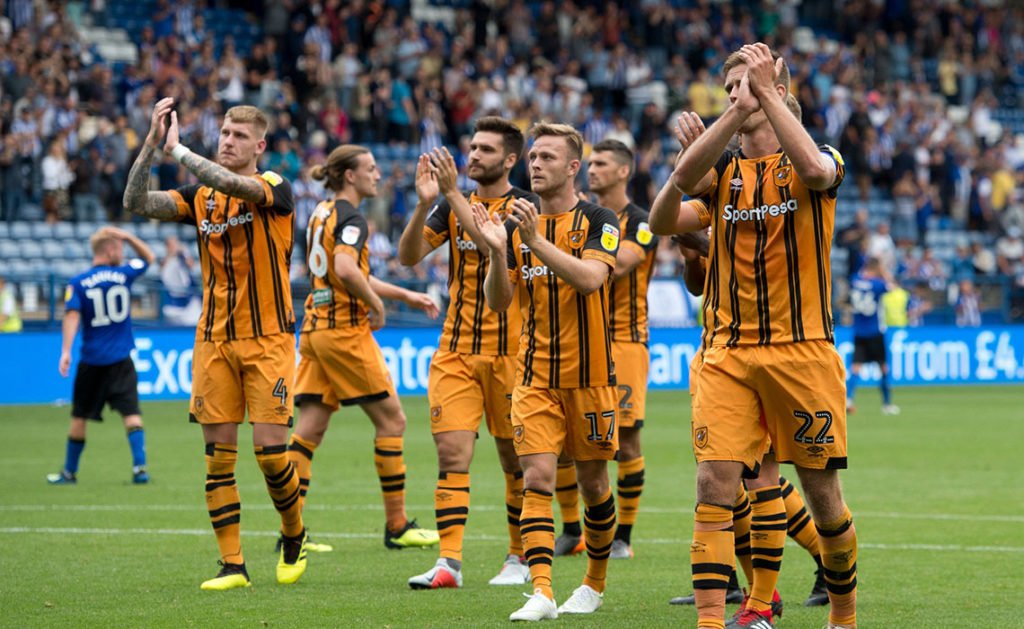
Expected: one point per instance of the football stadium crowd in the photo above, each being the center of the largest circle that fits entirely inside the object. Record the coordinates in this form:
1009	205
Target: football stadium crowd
924	99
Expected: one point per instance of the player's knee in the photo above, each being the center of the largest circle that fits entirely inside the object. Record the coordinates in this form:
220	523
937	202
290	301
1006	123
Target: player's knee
717	482
133	422
629	444
594	489
822	493
535	480
507	456
451	454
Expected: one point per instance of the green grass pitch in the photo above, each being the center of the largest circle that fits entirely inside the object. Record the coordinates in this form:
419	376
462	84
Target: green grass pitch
936	494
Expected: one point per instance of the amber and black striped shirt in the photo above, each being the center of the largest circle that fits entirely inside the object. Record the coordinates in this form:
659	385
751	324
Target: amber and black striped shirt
769	273
334	227
566	337
244	252
628	294
470	327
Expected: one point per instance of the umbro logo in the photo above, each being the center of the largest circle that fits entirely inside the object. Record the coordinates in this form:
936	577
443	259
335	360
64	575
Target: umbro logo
210	204
443	496
736	183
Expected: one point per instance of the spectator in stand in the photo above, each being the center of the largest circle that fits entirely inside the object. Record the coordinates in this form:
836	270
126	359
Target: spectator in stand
283	159
904	215
57	179
380	248
182	305
881	246
87	187
968	306
962	266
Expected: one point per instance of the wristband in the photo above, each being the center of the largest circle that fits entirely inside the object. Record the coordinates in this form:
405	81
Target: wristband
179	152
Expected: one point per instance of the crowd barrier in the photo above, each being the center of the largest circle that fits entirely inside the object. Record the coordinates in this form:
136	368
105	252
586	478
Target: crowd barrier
163	359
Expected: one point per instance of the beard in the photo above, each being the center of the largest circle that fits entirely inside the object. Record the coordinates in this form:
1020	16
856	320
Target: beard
488	176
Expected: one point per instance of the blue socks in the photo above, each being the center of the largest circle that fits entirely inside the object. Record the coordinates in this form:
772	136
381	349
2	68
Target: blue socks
73	454
886	391
851	384
137	441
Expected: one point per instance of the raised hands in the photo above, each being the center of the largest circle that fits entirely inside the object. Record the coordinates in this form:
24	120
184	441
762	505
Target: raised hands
426	181
173	137
158	122
445	170
762	70
524	214
491	229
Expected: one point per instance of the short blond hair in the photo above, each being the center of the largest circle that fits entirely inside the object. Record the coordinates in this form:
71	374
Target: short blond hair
794	106
573	138
251	115
100	240
734	60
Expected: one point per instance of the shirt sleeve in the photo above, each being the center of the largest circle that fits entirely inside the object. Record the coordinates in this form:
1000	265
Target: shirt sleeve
184	201
72	300
837	158
278	191
435	230
513	264
717	170
639	235
602	237
350	235
135	268
703	209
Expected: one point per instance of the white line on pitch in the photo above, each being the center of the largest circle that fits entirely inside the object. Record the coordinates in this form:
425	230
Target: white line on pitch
261	506
490	538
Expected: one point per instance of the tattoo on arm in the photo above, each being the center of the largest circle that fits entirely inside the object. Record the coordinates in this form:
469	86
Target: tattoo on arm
137	197
223	180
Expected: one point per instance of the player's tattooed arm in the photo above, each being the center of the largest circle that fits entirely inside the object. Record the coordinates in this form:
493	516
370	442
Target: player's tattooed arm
138	199
223	180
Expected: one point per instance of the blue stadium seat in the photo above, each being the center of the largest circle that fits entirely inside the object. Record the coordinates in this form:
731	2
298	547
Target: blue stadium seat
68	268
147	231
5	268
41	231
28	249
166	230
64	231
76	250
9	249
39	268
85	229
187	233
51	249
21	229
20	267
5	230
159	248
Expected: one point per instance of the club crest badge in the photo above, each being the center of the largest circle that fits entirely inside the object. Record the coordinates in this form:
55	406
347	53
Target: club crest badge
783	176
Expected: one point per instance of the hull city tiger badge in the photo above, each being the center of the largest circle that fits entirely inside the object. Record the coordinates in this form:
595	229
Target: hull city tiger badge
783	176
700	437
